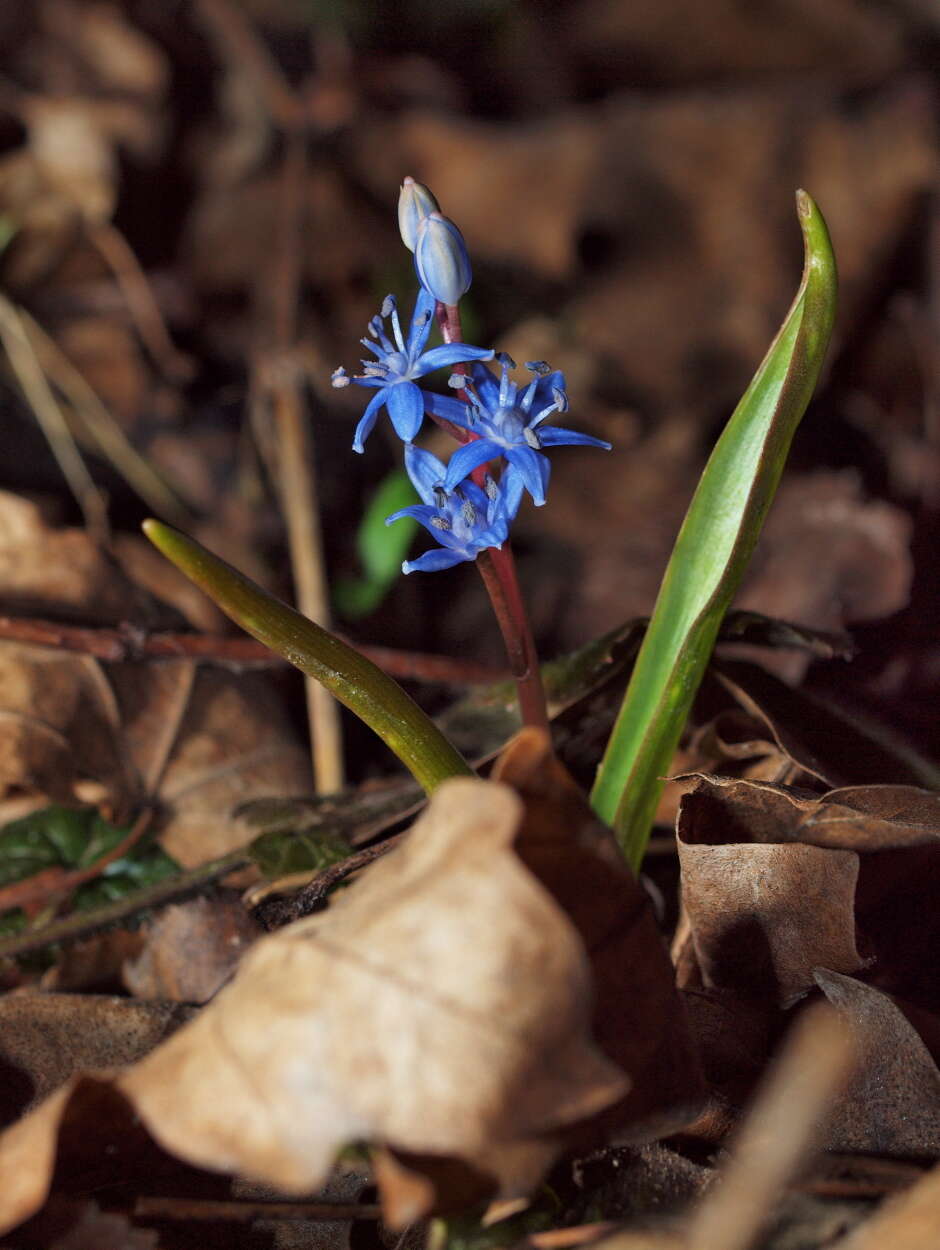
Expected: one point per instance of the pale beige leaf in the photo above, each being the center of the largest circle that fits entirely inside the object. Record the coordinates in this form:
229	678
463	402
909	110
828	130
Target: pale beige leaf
442	1005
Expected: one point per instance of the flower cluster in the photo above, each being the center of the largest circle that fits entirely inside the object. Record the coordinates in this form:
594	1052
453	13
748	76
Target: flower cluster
468	504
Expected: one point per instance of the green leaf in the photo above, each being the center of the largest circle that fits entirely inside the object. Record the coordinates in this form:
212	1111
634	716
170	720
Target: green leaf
713	549
381	547
75	838
345	672
283	852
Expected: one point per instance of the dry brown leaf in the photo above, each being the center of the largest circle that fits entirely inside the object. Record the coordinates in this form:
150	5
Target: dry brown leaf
816	738
191	950
194	741
828	556
61	572
861	863
639	1020
441	1005
763	915
46	1038
892	1105
57	725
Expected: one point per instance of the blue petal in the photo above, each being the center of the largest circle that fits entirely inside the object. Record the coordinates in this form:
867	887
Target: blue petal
511	486
369	417
434	560
487	386
554	436
417	511
467	458
406	408
453	410
425	471
421	321
534	470
450	354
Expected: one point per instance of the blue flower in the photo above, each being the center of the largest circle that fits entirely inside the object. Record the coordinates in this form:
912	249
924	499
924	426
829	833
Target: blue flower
508	423
465	520
396	366
442	261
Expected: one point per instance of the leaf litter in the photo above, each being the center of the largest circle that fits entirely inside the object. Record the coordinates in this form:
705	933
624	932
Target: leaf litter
476	1048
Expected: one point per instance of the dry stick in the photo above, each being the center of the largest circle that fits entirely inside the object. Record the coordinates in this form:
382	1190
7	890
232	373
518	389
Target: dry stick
86	922
158	1208
119	256
129	642
102	427
52	421
296	471
779	1133
498	570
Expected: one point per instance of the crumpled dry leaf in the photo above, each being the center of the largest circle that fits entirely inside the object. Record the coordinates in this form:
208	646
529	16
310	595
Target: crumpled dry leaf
442	1005
639	1020
763	914
829	556
46	1038
855	874
61	572
190	951
892	1104
193	740
819	739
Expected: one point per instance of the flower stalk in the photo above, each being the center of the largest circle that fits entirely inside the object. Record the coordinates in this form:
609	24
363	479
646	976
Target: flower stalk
498	570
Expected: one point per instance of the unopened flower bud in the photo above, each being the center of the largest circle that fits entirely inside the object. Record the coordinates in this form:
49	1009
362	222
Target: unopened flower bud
415	202
441	259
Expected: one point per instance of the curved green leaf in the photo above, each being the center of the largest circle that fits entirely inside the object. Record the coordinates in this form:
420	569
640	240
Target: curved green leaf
346	673
713	549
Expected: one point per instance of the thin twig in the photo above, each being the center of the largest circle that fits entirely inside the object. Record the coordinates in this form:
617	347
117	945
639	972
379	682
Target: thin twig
120	258
52	421
103	429
273	913
158	1208
780	1131
83	923
128	642
281	378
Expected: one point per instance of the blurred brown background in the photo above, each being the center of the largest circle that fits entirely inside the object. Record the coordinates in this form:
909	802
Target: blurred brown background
624	176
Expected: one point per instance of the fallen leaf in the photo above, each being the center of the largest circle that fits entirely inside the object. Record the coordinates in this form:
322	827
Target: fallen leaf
892	1103
190	951
639	1020
856	872
46	1038
835	747
62	573
763	913
371	1022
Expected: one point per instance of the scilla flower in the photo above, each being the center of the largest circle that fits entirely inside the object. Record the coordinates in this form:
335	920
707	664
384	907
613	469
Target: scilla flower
442	261
509	423
396	366
465	520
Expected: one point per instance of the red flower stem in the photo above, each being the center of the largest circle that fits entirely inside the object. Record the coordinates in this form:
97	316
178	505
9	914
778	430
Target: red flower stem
498	570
